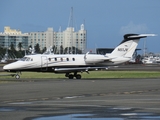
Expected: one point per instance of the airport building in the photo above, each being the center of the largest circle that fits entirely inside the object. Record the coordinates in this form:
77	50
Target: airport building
14	37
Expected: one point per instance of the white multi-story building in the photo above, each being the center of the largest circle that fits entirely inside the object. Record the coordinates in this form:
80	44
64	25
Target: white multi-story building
13	37
64	41
44	39
61	39
75	39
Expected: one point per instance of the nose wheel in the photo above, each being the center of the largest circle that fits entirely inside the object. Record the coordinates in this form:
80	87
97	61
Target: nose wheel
17	76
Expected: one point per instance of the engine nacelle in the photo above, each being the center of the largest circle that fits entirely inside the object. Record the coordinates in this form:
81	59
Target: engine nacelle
92	59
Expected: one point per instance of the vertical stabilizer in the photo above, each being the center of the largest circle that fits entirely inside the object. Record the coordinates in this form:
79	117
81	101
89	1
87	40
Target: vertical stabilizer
127	47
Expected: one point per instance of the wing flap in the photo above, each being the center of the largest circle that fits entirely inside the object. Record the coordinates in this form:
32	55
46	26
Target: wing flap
79	69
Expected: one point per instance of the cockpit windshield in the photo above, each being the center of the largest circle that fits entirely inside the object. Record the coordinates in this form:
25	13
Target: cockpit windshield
26	59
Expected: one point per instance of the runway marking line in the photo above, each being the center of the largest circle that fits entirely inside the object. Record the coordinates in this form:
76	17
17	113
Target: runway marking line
19	100
7	101
33	99
44	98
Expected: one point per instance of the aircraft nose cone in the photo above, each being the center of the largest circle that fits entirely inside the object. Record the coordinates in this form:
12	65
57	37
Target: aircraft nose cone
6	67
11	67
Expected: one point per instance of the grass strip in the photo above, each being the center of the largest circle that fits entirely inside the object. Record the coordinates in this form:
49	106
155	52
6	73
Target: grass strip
93	74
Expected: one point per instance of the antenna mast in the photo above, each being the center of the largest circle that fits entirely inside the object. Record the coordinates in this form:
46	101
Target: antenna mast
70	22
144	47
70	25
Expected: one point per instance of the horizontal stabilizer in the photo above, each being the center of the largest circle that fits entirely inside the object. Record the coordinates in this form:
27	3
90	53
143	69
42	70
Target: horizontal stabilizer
141	35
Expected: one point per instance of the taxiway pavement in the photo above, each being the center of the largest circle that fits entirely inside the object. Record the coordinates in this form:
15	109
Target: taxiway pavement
31	98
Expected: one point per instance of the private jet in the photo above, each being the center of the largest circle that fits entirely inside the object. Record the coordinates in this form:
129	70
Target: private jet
73	64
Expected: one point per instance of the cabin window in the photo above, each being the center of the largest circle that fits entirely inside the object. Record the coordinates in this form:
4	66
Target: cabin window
61	59
23	59
55	59
27	59
67	59
73	59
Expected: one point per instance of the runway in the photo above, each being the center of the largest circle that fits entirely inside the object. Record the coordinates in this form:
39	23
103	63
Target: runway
27	99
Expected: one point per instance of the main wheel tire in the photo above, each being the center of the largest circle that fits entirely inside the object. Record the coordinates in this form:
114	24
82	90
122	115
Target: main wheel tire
78	76
70	76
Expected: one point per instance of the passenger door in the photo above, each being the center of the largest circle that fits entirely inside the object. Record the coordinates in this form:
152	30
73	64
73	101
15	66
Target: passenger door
44	63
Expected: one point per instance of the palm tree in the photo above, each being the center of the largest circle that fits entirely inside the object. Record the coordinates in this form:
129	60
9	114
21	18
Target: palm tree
61	49
20	46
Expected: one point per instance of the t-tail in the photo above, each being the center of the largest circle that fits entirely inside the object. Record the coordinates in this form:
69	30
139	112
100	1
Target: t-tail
128	46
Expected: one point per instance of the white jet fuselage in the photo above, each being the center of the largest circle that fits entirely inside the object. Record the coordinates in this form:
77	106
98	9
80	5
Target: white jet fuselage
44	62
74	63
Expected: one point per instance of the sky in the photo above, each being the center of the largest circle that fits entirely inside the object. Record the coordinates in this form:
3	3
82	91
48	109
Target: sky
106	21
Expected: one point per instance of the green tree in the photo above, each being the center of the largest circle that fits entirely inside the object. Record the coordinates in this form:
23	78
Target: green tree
12	50
20	46
66	50
72	50
12	47
61	49
44	49
2	50
54	49
37	48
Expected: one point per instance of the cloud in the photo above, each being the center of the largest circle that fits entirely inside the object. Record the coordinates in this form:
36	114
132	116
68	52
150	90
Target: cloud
133	28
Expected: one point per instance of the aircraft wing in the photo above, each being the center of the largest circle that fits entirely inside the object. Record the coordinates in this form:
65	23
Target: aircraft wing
78	69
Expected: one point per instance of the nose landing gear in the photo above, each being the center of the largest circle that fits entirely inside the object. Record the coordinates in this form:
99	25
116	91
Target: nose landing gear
17	76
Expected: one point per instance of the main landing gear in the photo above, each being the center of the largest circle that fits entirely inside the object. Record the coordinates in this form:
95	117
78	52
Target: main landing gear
71	76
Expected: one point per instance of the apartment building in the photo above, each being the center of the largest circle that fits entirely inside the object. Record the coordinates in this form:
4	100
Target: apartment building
62	39
44	39
13	37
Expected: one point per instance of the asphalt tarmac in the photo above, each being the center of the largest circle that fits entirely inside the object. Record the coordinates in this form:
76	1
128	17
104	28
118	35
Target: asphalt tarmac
26	99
